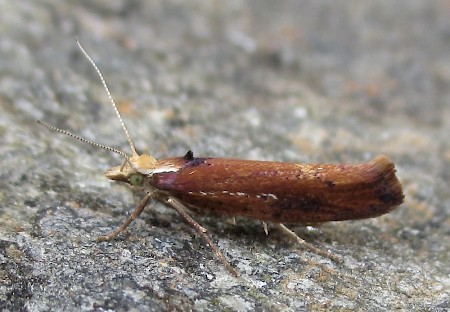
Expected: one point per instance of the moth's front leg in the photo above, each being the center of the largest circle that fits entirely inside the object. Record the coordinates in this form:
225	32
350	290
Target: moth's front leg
134	215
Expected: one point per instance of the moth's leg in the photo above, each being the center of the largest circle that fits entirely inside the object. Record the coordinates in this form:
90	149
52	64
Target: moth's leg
307	245
266	228
134	215
181	209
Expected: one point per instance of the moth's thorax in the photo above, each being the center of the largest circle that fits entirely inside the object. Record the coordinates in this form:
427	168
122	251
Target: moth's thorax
146	165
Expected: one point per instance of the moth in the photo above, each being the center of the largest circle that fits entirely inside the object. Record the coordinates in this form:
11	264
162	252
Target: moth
275	192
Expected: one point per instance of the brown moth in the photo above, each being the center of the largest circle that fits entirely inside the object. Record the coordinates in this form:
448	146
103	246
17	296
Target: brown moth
275	192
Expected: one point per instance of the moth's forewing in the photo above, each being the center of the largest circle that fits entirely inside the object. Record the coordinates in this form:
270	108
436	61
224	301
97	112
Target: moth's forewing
284	192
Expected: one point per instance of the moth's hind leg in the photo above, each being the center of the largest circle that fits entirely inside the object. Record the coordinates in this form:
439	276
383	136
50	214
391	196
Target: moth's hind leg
307	245
134	215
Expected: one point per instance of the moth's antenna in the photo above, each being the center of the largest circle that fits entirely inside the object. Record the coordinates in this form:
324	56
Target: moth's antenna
85	140
130	142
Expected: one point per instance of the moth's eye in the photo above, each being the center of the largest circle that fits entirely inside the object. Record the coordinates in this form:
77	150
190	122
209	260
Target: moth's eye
136	179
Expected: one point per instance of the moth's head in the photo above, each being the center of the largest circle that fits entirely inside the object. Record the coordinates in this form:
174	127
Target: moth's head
133	170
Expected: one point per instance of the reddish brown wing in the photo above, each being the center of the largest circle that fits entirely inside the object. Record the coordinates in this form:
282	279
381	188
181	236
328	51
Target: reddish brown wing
284	192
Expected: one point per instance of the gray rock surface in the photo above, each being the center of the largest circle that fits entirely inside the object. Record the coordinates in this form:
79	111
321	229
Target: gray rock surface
297	81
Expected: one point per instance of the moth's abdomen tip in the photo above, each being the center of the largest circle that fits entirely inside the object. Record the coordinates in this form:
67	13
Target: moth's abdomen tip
390	190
